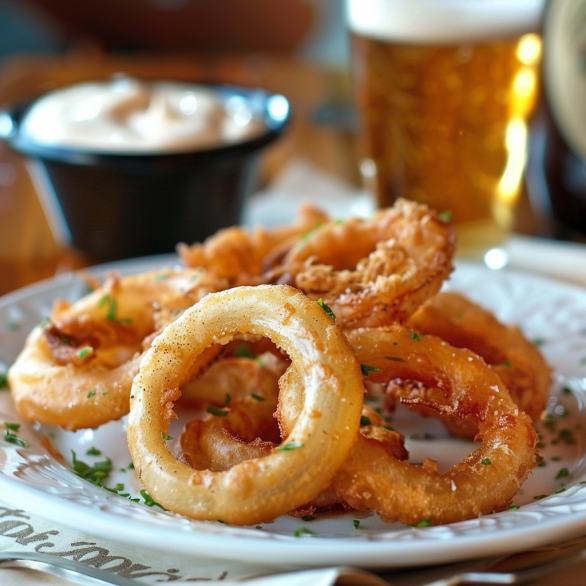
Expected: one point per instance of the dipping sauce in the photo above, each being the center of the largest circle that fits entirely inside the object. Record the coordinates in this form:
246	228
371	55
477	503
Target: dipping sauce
126	116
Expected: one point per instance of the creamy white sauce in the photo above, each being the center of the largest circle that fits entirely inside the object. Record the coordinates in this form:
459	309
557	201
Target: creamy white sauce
127	116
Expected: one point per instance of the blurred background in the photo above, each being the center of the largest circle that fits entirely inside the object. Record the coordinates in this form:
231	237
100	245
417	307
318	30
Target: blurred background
295	47
298	48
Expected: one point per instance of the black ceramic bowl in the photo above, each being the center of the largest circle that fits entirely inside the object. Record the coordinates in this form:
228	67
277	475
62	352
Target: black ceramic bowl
125	205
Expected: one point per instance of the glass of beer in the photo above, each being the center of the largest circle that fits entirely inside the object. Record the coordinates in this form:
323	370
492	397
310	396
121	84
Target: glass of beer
445	89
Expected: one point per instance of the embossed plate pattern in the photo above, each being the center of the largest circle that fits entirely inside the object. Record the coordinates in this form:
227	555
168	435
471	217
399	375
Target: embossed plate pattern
551	313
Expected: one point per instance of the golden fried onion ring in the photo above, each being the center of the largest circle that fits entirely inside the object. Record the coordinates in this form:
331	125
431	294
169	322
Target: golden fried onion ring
373	272
77	370
236	378
464	324
244	392
485	481
238	254
255	490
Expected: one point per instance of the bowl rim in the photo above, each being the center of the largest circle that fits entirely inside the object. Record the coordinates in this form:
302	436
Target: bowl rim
12	115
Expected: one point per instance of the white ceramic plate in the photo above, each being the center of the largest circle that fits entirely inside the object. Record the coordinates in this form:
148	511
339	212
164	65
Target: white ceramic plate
549	312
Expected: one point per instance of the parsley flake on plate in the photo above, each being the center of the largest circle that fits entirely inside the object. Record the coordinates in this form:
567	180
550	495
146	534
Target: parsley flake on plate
326	308
290	446
367	369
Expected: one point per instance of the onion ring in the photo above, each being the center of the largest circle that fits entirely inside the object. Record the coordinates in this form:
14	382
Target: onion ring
244	393
485	481
241	426
241	256
373	272
235	378
262	489
517	361
77	370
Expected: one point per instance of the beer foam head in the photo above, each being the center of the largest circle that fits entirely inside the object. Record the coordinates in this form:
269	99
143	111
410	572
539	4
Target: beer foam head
443	21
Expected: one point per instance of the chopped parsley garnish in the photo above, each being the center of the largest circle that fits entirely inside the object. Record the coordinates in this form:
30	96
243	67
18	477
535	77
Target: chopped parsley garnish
507	363
94	474
326	308
3	380
514	507
560	490
563	473
555	458
414	336
84	351
93	451
112	309
568	390
549	422
356	523
539	342
416	436
257	397
309	233
365	420
167	437
308	518
367	369
215	411
539	497
290	446
103	300
258	527
424	523
45	322
567	436
91	394
445	216
149	501
387	427
228	399
243	351
131	466
304	531
12	438
486	462
395	358
12	426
